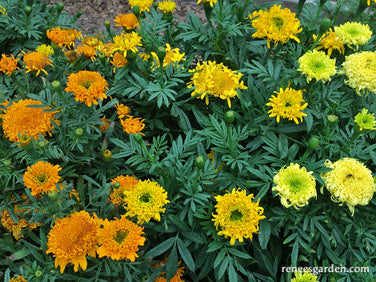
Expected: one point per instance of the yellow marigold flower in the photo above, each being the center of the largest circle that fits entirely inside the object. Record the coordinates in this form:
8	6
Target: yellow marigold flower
87	86
8	64
330	41
24	139
317	65
72	238
304	277
175	278
71	55
107	155
119	239
128	21
105	124
18	119
18	279
127	42
360	69
119	61
172	56
132	125
12	226
210	2
146	200
145	57
287	104
63	37
369	2
87	51
349	182
237	215
365	120
106	49
295	186
41	177
45	49
35	61
217	80
353	33
144	5
276	25
122	110
167	6
3	11
124	183
91	41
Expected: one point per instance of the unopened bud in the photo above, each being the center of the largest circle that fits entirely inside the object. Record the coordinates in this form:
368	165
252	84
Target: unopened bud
79	131
313	143
229	117
199	162
325	25
59	7
28	10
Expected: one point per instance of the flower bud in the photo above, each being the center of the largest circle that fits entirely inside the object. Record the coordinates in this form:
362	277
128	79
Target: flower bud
41	144
116	185
325	25
79	14
28	10
79	131
136	10
107	155
199	162
7	163
138	138
229	117
56	86
52	195
107	25
333	119
313	143
161	53
59	7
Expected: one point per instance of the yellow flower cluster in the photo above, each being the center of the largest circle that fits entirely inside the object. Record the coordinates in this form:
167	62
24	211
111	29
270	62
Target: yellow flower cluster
330	41
127	42
304	277
167	6
172	56
365	120
144	5
353	33
317	65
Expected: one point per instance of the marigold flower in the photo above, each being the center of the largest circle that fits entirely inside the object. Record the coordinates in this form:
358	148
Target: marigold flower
128	21
144	5
304	277
122	110
3	11
210	2
360	69
127	42
126	183
63	37
295	186
72	238
119	239
369	2
118	60
133	125
106	49
8	64
24	139
87	86
167	6
105	124
91	41
353	33
276	25
215	79
365	120
175	278
349	182
87	51
330	41
20	119
237	215
35	61
71	55
287	104
317	65
146	200
41	177
172	56
18	279
45	49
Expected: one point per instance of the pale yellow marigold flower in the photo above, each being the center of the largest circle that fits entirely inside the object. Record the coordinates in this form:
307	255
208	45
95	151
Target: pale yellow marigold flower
365	120
304	277
317	65
350	182
353	33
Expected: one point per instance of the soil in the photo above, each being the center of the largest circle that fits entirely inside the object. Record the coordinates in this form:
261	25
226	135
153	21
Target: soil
95	12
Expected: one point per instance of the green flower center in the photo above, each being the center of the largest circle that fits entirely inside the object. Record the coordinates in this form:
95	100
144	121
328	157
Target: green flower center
41	178
236	215
120	236
295	185
353	31
145	198
317	66
278	22
86	84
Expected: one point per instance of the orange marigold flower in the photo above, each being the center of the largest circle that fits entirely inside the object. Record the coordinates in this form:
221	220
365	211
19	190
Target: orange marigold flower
175	278
119	60
87	86
132	125
35	61
41	177
123	184
18	279
63	37
122	110
18	119
87	51
105	124
71	55
8	64
128	21
119	239
72	238
330	41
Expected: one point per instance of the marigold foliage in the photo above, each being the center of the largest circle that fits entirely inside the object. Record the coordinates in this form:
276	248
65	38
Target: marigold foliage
353	33
144	5
365	120
350	182
276	25
360	70
132	125
18	119
36	61
120	239
237	215
317	65
330	41
287	104
128	21
87	86
146	201
8	64
72	238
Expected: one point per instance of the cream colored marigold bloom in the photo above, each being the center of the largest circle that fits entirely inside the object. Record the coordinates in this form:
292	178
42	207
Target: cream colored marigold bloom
276	25
295	186
317	65
120	239
146	201
127	42
210	2
144	5
237	215
360	69
167	6
353	33
288	104
72	238
365	120
304	277
330	41
349	182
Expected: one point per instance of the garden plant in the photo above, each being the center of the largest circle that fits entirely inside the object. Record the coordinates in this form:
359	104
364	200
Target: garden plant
164	149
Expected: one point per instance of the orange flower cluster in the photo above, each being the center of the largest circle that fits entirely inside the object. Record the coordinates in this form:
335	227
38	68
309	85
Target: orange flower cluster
63	37
8	64
133	125
36	61
128	21
123	184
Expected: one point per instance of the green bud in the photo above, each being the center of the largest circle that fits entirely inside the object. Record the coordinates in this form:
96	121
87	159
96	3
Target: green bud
136	10
229	117
161	53
332	119
41	144
325	25
116	185
38	273
107	25
28	10
56	85
138	137
59	7
199	162
313	143
79	131
52	195
7	163
79	14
